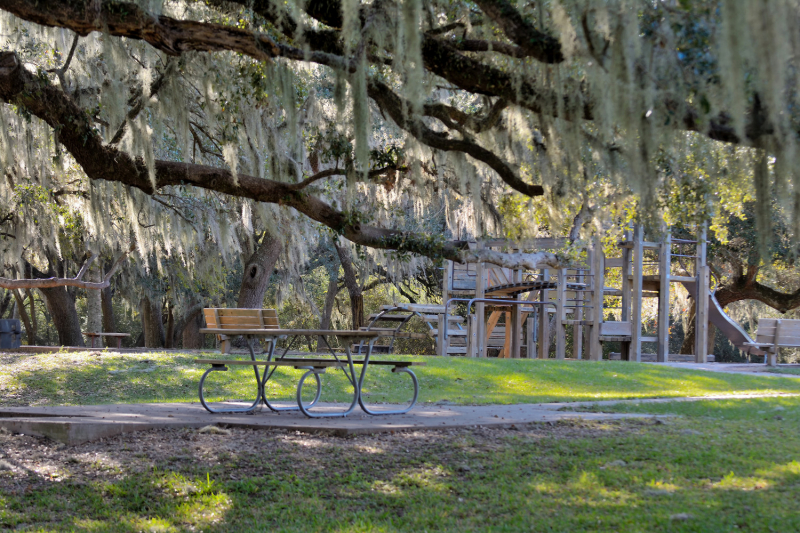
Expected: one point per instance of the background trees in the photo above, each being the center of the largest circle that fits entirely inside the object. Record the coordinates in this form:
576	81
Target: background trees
205	133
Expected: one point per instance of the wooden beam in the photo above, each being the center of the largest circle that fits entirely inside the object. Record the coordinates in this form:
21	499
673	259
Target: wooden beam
561	331
702	282
544	323
625	347
481	280
530	346
664	267
636	296
577	329
598	281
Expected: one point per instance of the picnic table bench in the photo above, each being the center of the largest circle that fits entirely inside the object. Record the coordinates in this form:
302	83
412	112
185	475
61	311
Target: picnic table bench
774	334
314	366
94	335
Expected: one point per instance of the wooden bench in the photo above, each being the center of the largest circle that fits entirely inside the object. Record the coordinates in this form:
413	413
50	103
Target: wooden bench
92	336
774	334
237	318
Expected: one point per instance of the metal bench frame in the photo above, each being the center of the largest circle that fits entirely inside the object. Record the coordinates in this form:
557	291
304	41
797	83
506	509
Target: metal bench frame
313	366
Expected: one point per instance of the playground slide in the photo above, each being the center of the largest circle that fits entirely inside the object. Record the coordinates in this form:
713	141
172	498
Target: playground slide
730	328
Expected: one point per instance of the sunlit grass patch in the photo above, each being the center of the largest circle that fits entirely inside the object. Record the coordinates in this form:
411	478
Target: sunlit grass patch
77	378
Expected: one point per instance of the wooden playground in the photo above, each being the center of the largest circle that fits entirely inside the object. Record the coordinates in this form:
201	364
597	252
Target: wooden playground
510	312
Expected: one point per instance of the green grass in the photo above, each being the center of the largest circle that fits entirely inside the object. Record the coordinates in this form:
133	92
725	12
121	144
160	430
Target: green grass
792	371
82	378
720	465
724	466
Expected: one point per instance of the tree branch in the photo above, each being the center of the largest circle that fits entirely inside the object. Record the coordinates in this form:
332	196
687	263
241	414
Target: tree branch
141	101
77	281
393	105
125	19
102	162
539	45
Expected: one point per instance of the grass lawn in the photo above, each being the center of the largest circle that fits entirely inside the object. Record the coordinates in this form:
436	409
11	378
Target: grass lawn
84	378
778	370
722	466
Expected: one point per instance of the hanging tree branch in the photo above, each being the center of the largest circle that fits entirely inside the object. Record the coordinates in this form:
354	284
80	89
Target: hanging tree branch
103	162
77	281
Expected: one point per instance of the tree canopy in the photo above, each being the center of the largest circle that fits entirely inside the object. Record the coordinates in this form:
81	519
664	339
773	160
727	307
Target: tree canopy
402	126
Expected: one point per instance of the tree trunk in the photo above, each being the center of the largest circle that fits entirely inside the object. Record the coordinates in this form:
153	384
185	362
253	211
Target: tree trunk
61	306
5	303
34	324
23	315
152	326
188	320
688	340
169	341
330	299
257	271
94	304
109	322
191	337
327	311
353	287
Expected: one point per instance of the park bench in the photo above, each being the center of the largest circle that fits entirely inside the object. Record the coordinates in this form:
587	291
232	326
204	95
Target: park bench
95	335
774	334
314	366
241	319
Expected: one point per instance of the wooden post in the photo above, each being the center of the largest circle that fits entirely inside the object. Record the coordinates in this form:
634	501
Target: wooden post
625	347
664	266
544	323
441	342
701	301
598	284
481	280
561	331
472	336
516	320
772	352
530	347
636	296
577	329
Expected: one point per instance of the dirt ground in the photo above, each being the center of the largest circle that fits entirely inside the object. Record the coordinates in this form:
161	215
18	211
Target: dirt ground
29	463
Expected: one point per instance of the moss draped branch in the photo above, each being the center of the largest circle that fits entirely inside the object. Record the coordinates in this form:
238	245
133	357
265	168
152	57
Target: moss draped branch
77	281
103	162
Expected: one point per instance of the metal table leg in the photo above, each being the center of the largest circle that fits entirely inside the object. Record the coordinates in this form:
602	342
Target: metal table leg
266	377
316	371
223	368
404	370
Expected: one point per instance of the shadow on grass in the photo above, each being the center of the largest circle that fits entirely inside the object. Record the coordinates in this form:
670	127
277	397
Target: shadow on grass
518	483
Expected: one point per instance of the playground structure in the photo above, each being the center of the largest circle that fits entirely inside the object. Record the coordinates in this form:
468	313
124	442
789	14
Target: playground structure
511	311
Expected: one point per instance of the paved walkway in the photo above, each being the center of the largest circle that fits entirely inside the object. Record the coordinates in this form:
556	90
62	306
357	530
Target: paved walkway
735	368
78	424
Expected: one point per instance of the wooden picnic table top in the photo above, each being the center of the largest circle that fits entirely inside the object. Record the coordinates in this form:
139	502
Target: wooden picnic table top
280	332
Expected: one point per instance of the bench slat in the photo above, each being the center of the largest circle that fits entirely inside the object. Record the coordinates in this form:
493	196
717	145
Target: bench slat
286	361
236	311
239	362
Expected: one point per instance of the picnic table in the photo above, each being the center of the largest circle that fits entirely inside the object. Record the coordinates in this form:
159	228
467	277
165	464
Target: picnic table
95	335
314	366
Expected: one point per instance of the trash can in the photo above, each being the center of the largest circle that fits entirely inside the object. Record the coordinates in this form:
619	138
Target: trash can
10	333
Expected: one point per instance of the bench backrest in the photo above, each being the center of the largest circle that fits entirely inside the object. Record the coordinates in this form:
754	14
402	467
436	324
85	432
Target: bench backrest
788	331
241	318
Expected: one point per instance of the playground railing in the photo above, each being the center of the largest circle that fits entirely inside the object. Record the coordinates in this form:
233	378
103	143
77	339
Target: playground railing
493	301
